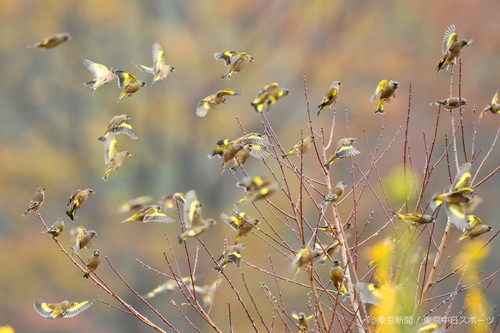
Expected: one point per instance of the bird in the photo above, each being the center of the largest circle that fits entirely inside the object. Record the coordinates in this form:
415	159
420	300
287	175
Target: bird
169	285
243	155
267	96
119	124
115	163
77	200
209	102
230	254
235	60
169	202
128	83
64	309
330	97
135	203
229	152
194	223
450	103
239	221
475	228
101	74
451	48
259	144
385	90
52	41
494	107
56	228
306	256
302	320
371	293
337	277
36	202
301	147
83	239
160	69
344	148
111	148
330	252
258	188
92	263
207	292
414	219
337	192
150	213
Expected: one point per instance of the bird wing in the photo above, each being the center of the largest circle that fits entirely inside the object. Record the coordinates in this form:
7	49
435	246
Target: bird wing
381	86
226	56
44	309
146	69
229	92
494	100
159	58
96	69
450	37
192	208
124	78
463	177
111	148
77	307
125	128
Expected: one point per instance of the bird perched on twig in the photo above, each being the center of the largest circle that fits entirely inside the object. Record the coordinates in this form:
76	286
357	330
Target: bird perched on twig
337	277
414	219
451	48
56	228
337	192
344	148
36	201
330	97
235	60
301	147
100	73
92	263
52	41
160	69
450	103
385	90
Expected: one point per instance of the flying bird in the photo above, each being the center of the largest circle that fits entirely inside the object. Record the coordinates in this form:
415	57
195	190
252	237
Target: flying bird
128	83
385	90
235	60
160	69
64	309
451	48
209	102
100	73
52	41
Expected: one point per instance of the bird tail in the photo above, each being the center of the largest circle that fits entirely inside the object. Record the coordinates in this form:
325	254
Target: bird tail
86	275
25	213
380	107
71	214
320	108
227	75
285	155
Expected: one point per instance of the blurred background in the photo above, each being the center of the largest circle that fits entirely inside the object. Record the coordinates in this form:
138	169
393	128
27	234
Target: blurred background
50	124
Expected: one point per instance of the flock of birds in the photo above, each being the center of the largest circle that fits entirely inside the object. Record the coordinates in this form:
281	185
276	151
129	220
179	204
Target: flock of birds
458	201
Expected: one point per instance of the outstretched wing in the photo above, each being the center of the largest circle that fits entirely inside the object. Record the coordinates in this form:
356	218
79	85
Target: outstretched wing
450	37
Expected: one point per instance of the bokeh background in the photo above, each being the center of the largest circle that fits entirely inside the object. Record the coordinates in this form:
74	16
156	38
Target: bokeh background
50	123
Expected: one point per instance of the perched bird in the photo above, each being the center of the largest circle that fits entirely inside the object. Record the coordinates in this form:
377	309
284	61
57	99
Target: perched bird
83	239
337	277
258	188
230	254
211	101
451	48
494	107
337	192
160	69
36	202
330	97
135	203
301	147
119	124
239	221
52	41
344	148
115	163
385	90
475	228
450	103
128	83
149	214
306	256
100	73
235	60
169	285
193	220
92	263
302	320
77	200
414	219
64	309
267	96
56	228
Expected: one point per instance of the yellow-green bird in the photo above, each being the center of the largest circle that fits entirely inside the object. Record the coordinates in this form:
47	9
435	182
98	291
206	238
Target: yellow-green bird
229	152
119	124
209	102
77	200
301	147
101	74
243	155
115	163
258	188
337	277
128	83
92	263
302	320
330	97
330	251
64	309
169	202
475	228
414	219
370	293
450	103
193	220
52	41
494	107
160	69
385	90
56	228
169	285
235	60
230	254
451	48
259	144
36	201
337	192
111	148
239	221
83	239
306	256
267	96
150	213
135	203
344	148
